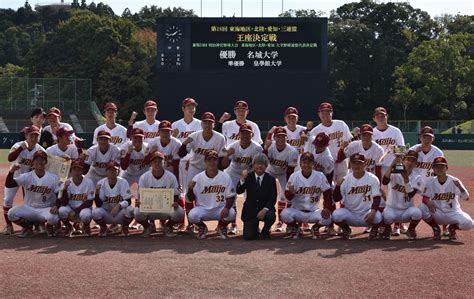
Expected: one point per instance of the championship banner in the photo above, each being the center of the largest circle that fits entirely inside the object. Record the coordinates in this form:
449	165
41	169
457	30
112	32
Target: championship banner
59	166
156	200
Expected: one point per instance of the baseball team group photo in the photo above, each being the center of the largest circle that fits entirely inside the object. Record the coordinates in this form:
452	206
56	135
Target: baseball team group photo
233	149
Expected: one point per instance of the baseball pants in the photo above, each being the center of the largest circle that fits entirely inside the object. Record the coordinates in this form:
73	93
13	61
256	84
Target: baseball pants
291	215
462	219
354	219
176	216
391	215
101	214
199	214
9	195
32	214
85	215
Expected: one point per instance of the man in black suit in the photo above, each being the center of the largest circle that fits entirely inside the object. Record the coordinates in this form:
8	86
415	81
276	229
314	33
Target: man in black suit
261	198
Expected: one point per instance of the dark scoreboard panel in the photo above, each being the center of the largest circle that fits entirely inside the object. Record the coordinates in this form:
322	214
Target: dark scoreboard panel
274	62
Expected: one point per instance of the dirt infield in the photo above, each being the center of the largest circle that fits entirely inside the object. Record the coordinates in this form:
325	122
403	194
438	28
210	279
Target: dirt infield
184	266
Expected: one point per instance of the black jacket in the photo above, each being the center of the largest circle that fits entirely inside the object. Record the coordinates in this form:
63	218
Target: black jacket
257	198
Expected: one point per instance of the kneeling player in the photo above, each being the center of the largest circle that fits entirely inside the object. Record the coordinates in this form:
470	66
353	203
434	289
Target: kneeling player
113	198
76	201
360	191
402	187
303	191
40	201
158	177
212	189
441	201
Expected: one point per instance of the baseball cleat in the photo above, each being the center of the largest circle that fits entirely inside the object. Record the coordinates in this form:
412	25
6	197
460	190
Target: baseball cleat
103	231
403	228
202	234
436	233
222	232
169	231
346	232
41	228
86	229
8	230
25	233
315	233
190	229
50	231
411	233
445	231
331	231
305	227
387	233
452	234
233	229
113	229
146	232
373	234
279	227
180	227
396	231
125	230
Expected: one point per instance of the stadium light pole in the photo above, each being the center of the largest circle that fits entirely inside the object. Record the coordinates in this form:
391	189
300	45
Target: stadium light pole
201	8
262	8
241	8
222	12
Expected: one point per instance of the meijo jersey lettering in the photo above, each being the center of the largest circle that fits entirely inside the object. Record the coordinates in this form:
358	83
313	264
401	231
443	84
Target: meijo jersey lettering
151	130
387	139
166	181
78	194
112	196
230	130
281	160
307	190
372	154
136	166
212	192
358	194
70	151
40	192
200	147
170	150
98	160
397	194
338	132
425	161
242	157
445	197
25	158
323	161
118	133
185	129
294	138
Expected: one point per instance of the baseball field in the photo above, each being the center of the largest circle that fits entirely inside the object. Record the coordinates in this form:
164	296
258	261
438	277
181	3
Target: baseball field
186	267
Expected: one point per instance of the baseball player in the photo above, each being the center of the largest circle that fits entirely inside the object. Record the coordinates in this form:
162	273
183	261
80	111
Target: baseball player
99	155
338	133
238	157
230	128
158	177
360	191
303	191
427	152
64	148
149	124
133	154
402	188
78	193
365	146
113	201
295	133
168	146
283	159
54	120
441	201
37	120
214	195
118	133
40	201
20	154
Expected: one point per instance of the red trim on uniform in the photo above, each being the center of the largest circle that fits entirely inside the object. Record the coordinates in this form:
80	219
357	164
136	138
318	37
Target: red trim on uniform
10	181
378	171
337	196
191	195
13	155
182	151
129	131
376	202
425	199
385	180
289	171
327	203
340	156
125	161
289	195
229	202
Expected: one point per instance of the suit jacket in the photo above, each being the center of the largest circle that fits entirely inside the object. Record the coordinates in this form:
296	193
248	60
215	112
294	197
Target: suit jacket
257	198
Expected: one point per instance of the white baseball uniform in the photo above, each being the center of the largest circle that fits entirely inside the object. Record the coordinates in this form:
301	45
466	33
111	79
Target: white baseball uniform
211	195
151	130
136	168
445	198
166	181
372	154
118	133
97	160
170	151
279	163
120	194
294	138
305	203
40	196
425	161
77	195
392	136
231	131
358	195
338	132
241	159
70	151
323	161
400	208
60	125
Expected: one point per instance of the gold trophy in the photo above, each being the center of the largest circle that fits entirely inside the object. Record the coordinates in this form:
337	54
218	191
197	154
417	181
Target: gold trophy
399	151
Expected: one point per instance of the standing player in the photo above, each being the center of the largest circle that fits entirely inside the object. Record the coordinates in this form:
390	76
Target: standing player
441	201
230	128
54	120
168	146
303	192
113	201
214	195
238	157
323	160
402	188
158	177
117	132
40	202
427	152
21	154
149	124
133	157
283	159
296	134
360	191
64	148
338	133
99	155
76	202
37	120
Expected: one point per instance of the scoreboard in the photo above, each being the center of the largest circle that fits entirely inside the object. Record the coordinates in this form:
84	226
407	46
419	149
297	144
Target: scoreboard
242	58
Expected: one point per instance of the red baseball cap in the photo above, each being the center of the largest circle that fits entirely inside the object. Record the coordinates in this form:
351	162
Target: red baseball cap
280	131
77	164
211	154
112	164
321	140
110	105
291	111
307	156
189	101
64	132
380	110
440	161
32	130
40	154
165	125
246	127
325	106
150	104
366	128
412	154
54	111
104	134
208	116
357	158
241	104
138	132
157	154
427	130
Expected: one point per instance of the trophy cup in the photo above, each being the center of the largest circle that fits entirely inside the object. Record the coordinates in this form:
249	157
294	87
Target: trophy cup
399	151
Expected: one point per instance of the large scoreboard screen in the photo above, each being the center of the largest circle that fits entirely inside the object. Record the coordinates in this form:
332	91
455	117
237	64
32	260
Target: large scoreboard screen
247	44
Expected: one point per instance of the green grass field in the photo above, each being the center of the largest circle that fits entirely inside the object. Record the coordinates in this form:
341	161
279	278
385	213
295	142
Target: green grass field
455	158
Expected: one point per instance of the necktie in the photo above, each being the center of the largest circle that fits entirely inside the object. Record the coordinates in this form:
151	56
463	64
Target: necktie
258	181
